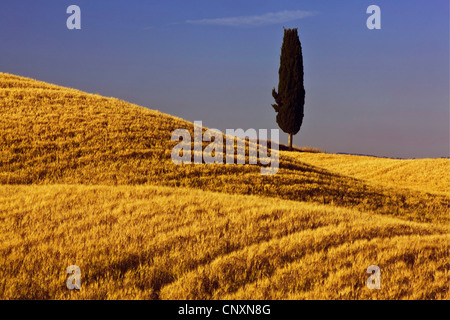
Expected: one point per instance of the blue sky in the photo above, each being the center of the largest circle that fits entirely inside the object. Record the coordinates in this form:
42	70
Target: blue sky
380	92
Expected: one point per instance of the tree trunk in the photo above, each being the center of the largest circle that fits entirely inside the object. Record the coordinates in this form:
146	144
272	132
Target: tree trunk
290	141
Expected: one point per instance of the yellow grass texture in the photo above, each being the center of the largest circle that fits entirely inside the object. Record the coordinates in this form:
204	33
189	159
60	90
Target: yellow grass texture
430	175
150	242
88	180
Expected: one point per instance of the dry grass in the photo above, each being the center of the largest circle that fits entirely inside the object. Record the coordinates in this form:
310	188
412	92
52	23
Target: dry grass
430	175
88	180
176	243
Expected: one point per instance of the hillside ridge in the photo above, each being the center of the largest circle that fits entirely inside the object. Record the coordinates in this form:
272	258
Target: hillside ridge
55	135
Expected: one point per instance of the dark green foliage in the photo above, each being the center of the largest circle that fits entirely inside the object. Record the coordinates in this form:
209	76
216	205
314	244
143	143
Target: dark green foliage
290	97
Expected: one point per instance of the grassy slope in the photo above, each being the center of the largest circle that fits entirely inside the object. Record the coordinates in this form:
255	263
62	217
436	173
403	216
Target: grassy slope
430	175
170	243
51	134
156	242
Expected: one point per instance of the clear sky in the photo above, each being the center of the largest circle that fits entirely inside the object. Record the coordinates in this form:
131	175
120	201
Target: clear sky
380	92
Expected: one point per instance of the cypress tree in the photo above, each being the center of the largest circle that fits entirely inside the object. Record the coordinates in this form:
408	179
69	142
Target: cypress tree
290	98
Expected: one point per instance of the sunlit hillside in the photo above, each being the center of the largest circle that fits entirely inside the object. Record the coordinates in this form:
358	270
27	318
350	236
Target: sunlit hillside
88	180
176	243
430	175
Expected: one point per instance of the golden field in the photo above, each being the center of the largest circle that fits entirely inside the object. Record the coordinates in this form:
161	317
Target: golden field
431	175
88	180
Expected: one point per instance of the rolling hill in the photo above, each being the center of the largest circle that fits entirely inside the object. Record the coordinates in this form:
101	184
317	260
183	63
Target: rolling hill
88	180
430	175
